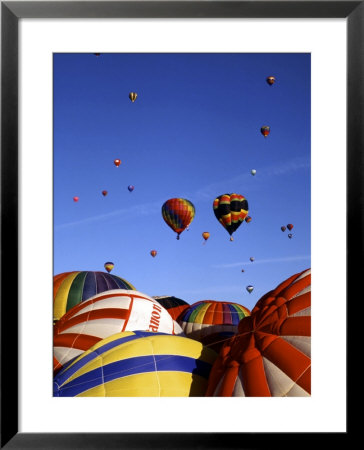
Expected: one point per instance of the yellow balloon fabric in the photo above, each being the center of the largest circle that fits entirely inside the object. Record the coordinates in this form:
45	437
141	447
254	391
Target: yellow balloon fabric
138	364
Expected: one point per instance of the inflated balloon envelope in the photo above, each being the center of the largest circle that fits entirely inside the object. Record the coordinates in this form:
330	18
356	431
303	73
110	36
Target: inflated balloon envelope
138	364
104	315
271	354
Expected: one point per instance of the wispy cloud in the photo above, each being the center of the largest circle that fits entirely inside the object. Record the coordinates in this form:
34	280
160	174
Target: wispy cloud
263	261
117	215
280	169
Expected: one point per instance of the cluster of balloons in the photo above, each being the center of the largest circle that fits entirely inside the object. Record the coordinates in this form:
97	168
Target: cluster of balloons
110	340
289	226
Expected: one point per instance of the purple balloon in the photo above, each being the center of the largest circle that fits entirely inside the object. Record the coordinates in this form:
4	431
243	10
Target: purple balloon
131	188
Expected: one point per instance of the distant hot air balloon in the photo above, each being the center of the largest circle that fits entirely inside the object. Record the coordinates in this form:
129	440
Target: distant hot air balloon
178	213
290	235
117	162
242	270
265	131
252	258
230	210
290	226
248	219
153	253
205	235
133	96
75	199
130	188
253	171
109	266
104	193
250	289
271	80
283	228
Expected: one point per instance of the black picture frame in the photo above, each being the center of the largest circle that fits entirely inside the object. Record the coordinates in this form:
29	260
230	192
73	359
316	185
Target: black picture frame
11	13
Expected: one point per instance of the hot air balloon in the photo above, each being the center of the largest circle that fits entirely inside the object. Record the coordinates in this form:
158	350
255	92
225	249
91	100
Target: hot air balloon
271	80
175	306
133	96
211	322
253	171
130	188
248	219
117	162
265	131
153	253
178	213
205	235
104	315
283	228
104	193
230	210
252	258
72	288
109	266
75	199
138	364
250	289
242	270
290	235
290	226
270	356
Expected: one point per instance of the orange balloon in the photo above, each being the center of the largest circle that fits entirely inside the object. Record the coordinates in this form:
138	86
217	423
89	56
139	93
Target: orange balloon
117	162
153	253
205	235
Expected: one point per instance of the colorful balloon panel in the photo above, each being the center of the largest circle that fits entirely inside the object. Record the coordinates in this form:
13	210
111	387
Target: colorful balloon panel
175	306
211	322
71	288
138	364
230	210
271	354
178	213
105	314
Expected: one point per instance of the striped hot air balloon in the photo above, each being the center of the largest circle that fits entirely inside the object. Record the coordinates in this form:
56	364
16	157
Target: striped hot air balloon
71	288
138	364
211	322
105	314
230	210
271	354
178	213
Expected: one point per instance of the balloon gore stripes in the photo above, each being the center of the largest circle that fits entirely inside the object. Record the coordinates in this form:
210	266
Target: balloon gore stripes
71	288
178	213
138	364
271	354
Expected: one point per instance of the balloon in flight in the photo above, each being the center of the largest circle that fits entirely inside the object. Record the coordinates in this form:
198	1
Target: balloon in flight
265	131
253	172
153	253
271	80
248	219
75	199
130	188
117	162
230	210
109	266
104	193
133	96
205	235
290	235
283	228
290	226
250	289
178	213
252	258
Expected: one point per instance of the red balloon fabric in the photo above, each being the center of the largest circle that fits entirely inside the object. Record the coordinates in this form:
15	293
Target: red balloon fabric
271	354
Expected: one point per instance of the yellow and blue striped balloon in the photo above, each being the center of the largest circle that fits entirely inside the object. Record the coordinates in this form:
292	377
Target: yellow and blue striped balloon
138	364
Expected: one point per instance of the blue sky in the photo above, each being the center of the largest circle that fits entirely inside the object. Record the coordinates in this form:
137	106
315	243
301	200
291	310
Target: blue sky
193	132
